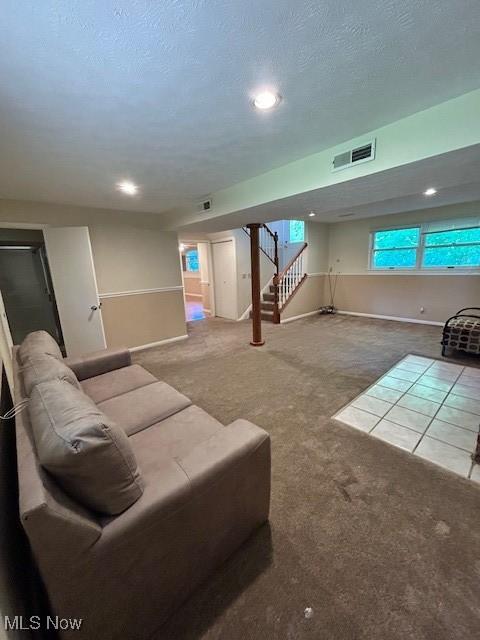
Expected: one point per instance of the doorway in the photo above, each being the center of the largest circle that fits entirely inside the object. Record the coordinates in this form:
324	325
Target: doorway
58	294
26	285
192	281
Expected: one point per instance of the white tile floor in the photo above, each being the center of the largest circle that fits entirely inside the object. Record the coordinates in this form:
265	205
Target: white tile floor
427	407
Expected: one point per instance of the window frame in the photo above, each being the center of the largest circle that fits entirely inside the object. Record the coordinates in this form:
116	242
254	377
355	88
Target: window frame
420	249
290	241
446	246
372	250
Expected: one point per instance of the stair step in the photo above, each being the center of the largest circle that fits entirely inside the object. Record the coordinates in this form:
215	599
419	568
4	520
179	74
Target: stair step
268	297
265	315
267	306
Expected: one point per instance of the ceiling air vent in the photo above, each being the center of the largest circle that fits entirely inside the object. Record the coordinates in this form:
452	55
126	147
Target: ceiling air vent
205	205
365	153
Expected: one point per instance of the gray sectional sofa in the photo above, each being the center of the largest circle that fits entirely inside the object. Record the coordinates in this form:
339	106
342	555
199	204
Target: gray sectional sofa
130	496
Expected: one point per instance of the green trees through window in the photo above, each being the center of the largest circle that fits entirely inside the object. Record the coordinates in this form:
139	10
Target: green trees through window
457	248
296	231
408	248
191	260
395	248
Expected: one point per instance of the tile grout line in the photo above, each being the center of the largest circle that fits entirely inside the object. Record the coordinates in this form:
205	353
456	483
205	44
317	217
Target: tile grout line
440	405
434	415
452	382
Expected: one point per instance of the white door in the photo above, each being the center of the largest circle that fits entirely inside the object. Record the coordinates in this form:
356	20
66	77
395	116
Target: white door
225	279
70	258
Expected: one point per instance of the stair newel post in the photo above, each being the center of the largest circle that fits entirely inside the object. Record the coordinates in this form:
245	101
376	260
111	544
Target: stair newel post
256	308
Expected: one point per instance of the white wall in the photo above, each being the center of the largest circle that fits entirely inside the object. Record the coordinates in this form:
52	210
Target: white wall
317	234
349	241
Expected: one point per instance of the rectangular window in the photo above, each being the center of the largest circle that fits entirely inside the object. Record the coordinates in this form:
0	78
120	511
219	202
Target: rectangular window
395	248
296	231
436	245
191	260
452	248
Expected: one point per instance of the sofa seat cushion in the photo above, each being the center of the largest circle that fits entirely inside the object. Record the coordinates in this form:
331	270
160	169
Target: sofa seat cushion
138	409
38	343
114	383
174	437
87	453
42	368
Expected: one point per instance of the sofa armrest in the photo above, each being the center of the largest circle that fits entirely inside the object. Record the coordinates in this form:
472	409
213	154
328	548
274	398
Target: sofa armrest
211	459
98	362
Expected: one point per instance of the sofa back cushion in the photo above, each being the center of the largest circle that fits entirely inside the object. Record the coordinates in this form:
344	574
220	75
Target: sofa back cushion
87	454
42	368
38	343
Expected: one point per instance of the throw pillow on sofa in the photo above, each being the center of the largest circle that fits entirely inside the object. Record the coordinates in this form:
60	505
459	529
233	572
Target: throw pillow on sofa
87	454
39	343
42	368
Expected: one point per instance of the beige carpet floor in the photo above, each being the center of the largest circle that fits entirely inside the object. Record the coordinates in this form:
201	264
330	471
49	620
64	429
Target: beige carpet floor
379	544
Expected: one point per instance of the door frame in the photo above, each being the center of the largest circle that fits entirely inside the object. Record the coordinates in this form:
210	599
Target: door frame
7	343
231	239
3	314
211	281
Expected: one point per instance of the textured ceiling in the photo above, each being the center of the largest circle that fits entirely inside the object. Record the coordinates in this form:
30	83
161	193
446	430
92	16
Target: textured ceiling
158	92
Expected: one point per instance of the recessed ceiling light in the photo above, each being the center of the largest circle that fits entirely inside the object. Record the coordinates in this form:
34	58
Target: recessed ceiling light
127	187
311	214
430	192
266	100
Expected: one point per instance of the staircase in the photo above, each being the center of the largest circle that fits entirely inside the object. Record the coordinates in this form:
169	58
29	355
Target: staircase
285	283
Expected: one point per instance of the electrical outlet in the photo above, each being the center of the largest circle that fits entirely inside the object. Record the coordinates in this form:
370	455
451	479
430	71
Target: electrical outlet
422	309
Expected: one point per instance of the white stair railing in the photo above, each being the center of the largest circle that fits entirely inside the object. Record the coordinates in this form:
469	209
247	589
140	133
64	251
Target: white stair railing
291	277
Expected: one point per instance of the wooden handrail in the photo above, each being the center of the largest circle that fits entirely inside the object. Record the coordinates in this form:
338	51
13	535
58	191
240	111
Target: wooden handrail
273	260
284	286
281	275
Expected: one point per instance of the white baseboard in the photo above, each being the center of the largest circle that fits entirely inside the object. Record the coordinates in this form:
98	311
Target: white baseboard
158	344
395	318
303	315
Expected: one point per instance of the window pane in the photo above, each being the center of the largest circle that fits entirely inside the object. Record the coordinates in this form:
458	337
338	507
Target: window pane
192	260
452	256
397	238
400	258
457	236
297	231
